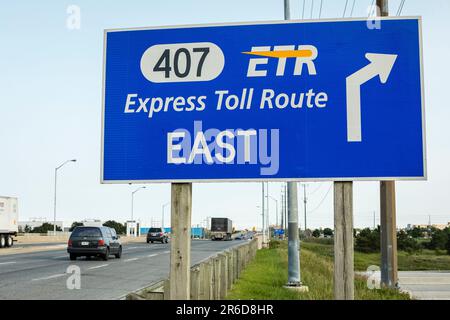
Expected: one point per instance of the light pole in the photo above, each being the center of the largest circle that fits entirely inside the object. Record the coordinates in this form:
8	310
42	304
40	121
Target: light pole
132	200
276	212
54	203
162	217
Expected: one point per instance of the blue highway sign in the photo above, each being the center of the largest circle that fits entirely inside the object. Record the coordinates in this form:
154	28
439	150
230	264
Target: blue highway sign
269	101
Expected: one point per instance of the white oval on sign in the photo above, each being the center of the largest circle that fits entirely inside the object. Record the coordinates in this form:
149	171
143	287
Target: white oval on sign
182	62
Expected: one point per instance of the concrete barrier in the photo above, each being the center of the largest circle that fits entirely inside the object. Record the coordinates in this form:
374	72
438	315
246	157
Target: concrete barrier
211	279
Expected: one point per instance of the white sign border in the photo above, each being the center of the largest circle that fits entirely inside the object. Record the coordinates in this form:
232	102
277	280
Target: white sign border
268	179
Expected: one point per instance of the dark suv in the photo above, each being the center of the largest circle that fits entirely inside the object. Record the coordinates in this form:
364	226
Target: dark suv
157	234
94	241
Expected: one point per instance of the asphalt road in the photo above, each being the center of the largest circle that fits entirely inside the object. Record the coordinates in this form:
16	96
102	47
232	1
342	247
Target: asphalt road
43	275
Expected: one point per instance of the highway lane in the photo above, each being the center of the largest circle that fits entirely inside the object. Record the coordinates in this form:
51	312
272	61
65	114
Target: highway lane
43	275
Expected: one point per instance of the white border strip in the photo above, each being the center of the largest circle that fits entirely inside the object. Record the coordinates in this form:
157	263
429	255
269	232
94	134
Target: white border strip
105	40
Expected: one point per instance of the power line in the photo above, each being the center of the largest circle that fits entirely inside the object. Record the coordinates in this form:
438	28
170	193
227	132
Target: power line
353	8
371	8
323	200
320	12
303	12
345	8
400	7
317	189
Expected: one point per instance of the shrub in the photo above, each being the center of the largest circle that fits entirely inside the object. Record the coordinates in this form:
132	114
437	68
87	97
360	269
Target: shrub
368	241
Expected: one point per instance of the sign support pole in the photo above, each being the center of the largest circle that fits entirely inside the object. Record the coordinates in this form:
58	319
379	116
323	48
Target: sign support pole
294	278
389	277
180	242
344	276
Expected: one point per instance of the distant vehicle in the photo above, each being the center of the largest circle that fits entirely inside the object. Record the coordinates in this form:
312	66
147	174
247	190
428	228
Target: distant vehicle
221	229
94	241
8	221
157	234
244	236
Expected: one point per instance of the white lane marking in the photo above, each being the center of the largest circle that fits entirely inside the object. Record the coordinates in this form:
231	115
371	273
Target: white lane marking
132	248
166	252
133	259
152	255
59	257
50	277
97	267
4	263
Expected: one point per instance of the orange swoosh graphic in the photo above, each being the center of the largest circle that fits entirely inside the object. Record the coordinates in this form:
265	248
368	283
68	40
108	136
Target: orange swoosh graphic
282	54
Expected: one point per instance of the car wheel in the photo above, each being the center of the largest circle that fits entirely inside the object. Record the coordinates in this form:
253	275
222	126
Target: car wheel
151	241
148	241
167	240
118	255
73	257
106	255
2	241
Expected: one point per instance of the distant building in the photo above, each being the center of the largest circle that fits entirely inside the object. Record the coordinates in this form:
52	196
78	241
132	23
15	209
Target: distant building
426	226
38	222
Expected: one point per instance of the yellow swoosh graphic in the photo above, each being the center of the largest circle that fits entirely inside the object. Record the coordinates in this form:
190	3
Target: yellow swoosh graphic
282	54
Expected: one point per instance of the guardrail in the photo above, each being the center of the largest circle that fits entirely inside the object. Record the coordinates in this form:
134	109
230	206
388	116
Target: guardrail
211	279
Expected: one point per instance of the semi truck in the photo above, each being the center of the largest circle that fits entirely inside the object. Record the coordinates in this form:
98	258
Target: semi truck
221	229
9	225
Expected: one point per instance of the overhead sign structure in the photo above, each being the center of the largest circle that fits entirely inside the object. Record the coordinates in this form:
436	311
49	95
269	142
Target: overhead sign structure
314	100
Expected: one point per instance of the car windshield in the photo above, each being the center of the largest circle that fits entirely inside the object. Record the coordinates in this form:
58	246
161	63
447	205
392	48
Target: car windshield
87	232
154	230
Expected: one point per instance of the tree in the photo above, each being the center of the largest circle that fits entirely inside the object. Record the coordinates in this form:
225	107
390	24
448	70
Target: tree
27	229
327	232
439	239
316	233
74	225
448	244
406	242
416	232
368	241
119	227
45	228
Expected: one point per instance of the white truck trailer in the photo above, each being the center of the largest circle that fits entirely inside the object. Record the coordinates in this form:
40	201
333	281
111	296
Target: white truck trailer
221	229
9	225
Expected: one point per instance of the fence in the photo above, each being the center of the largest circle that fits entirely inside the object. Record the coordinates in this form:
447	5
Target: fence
211	279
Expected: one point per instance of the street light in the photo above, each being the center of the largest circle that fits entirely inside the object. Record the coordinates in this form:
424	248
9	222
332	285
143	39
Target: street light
276	203
54	203
132	200
162	218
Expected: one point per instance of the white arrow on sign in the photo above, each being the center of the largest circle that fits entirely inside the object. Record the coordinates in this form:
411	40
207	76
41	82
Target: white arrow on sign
380	65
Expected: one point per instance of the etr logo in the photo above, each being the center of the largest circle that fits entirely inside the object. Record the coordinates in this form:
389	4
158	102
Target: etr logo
303	55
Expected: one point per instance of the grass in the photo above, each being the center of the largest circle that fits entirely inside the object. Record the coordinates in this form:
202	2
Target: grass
264	278
424	260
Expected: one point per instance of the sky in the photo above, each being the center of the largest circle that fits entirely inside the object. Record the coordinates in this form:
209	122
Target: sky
50	111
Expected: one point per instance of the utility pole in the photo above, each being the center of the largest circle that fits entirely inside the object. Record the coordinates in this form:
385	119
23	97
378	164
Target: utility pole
389	265
282	209
268	209
285	207
305	200
262	214
294	276
374	221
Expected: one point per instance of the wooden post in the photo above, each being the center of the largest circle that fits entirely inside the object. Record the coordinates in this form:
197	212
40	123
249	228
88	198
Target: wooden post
180	247
343	241
389	266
